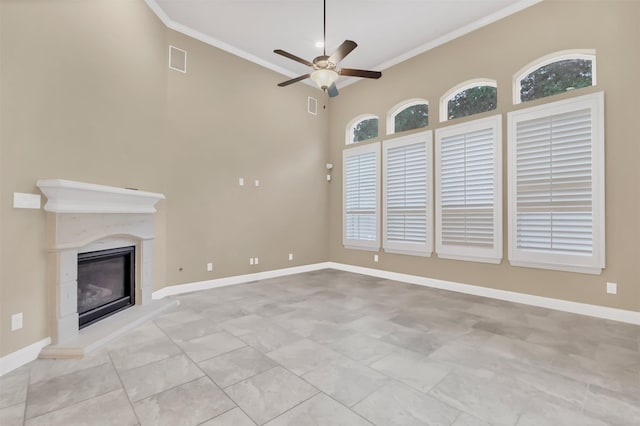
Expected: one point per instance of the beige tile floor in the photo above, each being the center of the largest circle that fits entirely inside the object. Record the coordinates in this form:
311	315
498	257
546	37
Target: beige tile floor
335	348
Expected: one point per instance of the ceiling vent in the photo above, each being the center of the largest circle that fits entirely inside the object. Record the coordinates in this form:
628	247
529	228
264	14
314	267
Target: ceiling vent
177	59
312	105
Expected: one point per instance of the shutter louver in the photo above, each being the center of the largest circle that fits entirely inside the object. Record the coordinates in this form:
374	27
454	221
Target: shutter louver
469	191
361	197
407	195
556	179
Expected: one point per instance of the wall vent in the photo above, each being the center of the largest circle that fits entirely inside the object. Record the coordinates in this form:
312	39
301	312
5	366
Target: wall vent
312	105
177	59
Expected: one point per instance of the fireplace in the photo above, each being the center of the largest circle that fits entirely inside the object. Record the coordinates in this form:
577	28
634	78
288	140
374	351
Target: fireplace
82	220
106	283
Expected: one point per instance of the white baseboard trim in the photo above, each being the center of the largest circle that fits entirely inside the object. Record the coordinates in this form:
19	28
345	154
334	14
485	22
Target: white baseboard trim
29	353
236	279
622	315
22	356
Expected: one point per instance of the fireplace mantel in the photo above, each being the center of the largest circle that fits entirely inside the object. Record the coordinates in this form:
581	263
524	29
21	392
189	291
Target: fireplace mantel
67	196
85	217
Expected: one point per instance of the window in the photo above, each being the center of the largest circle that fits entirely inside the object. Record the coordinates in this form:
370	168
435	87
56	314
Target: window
360	205
469	191
556	185
407	195
362	128
556	73
408	115
468	98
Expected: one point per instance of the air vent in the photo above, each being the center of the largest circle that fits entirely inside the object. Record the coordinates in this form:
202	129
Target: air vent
312	105
177	59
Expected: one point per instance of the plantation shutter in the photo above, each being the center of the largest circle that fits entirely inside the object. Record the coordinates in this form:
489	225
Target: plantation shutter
556	208
407	195
361	197
469	191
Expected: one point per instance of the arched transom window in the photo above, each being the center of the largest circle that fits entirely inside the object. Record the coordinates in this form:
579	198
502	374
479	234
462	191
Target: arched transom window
468	98
408	115
361	128
556	73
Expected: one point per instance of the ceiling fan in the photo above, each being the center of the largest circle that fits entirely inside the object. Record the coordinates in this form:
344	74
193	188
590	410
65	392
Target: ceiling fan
324	68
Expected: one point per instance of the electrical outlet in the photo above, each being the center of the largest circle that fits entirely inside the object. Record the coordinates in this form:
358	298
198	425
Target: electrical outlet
16	321
612	288
251	261
241	181
209	266
290	256
257	182
255	262
375	257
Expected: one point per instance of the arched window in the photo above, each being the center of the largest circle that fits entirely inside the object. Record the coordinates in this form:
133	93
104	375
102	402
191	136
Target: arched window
408	115
361	128
468	98
555	73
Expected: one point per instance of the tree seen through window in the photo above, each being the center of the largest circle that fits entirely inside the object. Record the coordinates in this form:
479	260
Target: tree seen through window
366	129
557	77
472	101
413	117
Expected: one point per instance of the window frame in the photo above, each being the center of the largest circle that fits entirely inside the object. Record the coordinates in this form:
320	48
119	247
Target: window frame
361	244
353	123
408	248
398	108
461	87
595	263
563	55
474	254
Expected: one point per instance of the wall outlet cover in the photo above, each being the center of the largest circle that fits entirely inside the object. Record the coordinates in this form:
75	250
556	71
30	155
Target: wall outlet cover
209	266
375	257
290	256
612	288
241	181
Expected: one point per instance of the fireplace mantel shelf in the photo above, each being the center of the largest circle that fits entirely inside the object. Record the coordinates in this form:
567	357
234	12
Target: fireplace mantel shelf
67	196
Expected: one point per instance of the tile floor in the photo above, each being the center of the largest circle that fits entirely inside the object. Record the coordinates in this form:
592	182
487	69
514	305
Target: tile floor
335	348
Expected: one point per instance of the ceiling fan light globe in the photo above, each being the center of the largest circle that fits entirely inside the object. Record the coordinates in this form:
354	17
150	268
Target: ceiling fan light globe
324	78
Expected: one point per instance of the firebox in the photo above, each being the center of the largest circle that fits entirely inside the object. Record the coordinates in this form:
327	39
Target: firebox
106	283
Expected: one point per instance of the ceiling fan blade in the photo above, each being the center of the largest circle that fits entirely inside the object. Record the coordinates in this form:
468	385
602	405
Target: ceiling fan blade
293	57
360	73
294	80
332	90
345	48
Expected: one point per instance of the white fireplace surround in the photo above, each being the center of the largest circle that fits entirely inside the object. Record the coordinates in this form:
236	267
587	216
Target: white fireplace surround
83	217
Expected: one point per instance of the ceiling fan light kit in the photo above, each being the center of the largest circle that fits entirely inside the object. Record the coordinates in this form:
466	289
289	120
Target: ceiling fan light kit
324	72
324	78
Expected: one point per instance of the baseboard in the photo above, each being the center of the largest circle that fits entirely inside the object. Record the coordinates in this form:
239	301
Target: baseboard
29	353
237	279
22	356
622	315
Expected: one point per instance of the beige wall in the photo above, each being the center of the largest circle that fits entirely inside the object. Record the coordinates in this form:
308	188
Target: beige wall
496	52
227	120
86	95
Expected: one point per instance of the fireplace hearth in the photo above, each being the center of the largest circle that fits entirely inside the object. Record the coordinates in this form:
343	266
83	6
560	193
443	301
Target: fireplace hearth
106	283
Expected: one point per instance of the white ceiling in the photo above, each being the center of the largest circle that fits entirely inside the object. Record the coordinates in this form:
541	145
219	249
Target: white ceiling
387	31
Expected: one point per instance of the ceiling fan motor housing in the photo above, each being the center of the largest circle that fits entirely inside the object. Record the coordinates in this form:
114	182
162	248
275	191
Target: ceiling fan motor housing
323	63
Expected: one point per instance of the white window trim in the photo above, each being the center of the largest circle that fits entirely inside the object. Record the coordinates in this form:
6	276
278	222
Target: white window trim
465	85
353	123
474	254
414	249
398	108
563	55
571	263
360	244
